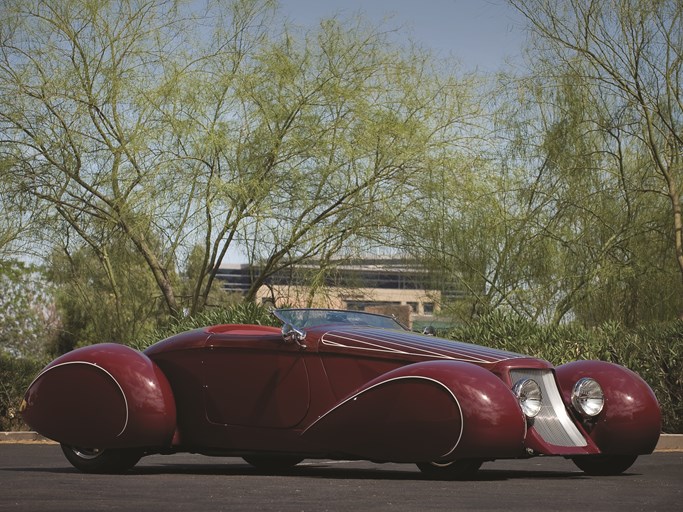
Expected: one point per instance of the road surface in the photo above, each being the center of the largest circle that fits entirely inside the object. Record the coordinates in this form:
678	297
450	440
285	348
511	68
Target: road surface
37	477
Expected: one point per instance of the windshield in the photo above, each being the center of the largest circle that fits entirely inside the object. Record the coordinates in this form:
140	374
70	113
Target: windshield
303	318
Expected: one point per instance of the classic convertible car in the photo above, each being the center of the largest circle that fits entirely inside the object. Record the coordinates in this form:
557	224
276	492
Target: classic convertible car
341	385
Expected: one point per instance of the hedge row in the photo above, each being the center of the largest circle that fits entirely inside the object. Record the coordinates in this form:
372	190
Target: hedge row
655	352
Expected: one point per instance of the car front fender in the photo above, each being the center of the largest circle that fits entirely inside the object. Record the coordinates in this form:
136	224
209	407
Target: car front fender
104	396
630	422
435	410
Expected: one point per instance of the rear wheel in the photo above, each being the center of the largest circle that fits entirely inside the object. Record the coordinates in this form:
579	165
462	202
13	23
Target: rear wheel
604	465
273	463
95	460
452	470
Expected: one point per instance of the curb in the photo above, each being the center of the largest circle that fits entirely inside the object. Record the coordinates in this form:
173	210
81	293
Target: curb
667	442
670	443
24	437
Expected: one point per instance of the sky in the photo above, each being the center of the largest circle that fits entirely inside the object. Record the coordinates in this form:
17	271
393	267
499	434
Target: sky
481	34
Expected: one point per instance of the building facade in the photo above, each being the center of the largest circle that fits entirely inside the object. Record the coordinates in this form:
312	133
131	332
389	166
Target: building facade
356	286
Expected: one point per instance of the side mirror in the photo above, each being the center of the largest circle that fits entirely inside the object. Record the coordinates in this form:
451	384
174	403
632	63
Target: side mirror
293	335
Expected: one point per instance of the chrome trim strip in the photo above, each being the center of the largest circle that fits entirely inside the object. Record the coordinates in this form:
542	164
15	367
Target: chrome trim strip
353	397
123	394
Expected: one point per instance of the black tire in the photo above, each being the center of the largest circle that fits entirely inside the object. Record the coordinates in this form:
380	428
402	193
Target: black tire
93	460
452	470
273	463
604	465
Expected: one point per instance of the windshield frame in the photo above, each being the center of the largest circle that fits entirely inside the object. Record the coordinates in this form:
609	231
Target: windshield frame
307	318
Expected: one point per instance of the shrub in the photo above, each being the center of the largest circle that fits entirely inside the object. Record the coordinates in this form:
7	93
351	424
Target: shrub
15	376
656	353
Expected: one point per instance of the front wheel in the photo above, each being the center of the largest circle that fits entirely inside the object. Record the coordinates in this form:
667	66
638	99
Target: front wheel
95	460
452	470
604	465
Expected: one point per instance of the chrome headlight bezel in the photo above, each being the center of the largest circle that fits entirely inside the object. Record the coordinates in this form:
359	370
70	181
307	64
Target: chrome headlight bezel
529	396
588	398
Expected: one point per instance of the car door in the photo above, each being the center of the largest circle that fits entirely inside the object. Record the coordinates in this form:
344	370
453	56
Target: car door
254	379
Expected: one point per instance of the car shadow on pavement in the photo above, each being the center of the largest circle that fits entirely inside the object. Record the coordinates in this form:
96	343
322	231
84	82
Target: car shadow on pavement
317	471
335	472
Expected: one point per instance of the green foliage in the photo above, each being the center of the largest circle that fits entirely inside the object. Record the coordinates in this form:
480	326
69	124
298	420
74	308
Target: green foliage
547	195
27	318
213	128
103	294
191	281
15	376
598	139
654	351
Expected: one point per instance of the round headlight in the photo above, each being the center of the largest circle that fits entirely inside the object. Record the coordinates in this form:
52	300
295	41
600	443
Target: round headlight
587	397
529	394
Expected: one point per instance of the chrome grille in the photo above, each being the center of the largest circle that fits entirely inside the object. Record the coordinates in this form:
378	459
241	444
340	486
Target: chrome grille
552	423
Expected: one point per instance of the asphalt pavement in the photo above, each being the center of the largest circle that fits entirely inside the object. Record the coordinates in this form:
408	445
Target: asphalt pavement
37	477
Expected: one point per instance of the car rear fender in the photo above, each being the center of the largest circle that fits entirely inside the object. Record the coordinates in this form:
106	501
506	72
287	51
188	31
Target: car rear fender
436	410
630	421
103	396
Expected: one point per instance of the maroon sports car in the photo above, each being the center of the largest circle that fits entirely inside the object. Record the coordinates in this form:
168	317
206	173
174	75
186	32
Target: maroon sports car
341	385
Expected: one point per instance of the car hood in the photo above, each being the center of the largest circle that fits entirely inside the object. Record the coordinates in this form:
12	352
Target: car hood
373	342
